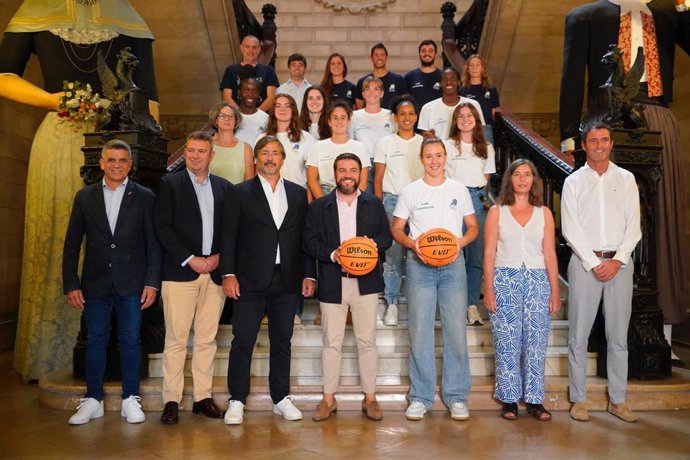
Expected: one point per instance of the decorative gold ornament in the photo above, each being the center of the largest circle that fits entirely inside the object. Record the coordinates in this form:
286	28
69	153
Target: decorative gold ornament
355	6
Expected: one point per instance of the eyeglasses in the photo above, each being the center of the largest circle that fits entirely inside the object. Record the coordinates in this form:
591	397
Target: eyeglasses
225	116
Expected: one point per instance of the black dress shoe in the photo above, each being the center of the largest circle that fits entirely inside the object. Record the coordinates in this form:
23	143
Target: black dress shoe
208	408
169	415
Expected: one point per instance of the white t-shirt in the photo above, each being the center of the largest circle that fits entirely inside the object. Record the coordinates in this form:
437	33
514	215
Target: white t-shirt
426	207
368	128
251	126
401	157
466	167
322	154
437	116
294	168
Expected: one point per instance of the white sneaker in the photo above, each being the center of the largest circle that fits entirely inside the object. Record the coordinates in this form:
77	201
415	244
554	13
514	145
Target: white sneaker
88	410
235	413
131	408
459	411
415	411
286	408
391	315
473	318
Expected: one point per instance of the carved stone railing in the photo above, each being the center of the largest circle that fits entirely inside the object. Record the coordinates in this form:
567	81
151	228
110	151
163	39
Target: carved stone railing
461	40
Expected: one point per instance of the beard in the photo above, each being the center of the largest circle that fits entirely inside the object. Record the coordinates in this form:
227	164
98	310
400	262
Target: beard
345	190
427	63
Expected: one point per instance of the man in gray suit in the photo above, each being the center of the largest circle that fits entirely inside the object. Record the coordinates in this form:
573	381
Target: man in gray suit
121	270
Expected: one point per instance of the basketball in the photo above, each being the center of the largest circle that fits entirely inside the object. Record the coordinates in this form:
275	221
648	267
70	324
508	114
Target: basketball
358	256
438	247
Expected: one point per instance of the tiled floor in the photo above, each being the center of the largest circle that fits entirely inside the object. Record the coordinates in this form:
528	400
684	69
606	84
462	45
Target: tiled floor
28	430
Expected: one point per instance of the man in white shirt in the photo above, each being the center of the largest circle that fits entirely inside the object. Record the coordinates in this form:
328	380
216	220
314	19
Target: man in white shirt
296	85
601	222
435	117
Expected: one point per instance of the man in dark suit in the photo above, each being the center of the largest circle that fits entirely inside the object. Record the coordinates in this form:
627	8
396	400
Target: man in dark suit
343	214
188	212
264	271
121	270
589	30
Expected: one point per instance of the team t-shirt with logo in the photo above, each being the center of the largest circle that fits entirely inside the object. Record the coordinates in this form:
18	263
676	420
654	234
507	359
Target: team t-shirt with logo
368	128
424	87
251	126
323	153
401	157
345	90
425	206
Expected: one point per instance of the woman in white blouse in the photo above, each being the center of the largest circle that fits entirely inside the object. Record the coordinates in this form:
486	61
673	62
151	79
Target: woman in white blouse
521	288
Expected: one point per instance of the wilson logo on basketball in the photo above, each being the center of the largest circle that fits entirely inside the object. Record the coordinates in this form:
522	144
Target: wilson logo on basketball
358	250
439	239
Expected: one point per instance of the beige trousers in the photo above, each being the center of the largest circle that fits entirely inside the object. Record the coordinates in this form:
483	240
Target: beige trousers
334	318
197	303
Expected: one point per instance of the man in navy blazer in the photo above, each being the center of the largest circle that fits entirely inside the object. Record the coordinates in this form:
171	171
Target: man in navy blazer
343	214
188	213
265	270
121	270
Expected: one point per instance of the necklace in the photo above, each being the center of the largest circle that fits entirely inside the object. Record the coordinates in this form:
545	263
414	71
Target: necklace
84	60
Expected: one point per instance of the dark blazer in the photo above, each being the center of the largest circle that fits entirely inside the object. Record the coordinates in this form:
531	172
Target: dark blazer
177	219
589	30
126	261
322	237
250	238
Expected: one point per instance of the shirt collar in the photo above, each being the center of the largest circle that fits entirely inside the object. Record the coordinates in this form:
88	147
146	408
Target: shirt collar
266	183
339	196
122	185
193	177
628	6
610	168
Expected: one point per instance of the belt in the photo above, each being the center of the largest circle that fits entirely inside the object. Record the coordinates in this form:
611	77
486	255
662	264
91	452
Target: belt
605	254
348	275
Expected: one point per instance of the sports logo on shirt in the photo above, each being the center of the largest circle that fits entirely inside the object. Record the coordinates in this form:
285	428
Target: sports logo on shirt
454	204
391	88
387	125
349	94
487	95
295	147
437	85
418	84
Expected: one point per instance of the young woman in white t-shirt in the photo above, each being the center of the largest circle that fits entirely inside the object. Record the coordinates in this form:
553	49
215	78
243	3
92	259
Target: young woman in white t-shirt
471	162
322	154
521	290
396	164
431	202
253	119
312	117
283	123
373	122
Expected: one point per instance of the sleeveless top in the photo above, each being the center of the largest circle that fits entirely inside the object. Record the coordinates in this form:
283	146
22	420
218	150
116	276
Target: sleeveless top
229	162
518	244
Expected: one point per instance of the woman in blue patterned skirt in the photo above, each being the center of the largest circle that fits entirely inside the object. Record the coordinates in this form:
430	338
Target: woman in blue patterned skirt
521	290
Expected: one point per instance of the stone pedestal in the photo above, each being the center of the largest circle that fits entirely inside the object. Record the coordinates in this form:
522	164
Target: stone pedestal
149	157
649	355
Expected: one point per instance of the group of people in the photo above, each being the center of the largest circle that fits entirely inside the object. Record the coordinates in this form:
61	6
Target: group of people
260	220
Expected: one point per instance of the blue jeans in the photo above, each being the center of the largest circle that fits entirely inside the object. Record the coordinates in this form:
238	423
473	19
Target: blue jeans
447	286
474	252
392	267
97	314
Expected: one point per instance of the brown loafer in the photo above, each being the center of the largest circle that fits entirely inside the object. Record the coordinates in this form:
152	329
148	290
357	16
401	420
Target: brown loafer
208	408
579	412
623	412
372	410
324	410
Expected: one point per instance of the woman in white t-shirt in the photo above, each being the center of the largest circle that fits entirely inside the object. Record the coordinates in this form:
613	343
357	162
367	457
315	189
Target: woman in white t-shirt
322	154
283	123
431	202
471	162
253	119
371	123
521	290
396	164
312	117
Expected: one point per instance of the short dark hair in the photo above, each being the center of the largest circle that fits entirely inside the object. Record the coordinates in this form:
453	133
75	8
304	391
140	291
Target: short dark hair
117	144
297	57
200	136
346	156
451	69
587	127
379	46
428	41
261	143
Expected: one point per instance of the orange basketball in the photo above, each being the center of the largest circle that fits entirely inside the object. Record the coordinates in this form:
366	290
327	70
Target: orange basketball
438	246
358	256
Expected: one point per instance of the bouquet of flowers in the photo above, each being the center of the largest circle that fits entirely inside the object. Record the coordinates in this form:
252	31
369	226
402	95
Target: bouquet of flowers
79	103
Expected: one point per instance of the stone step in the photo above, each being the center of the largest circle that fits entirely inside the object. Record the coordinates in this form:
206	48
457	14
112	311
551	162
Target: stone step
392	362
305	335
59	390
